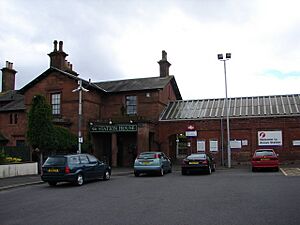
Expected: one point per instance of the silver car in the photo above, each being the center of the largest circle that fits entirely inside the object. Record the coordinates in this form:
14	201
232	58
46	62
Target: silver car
152	162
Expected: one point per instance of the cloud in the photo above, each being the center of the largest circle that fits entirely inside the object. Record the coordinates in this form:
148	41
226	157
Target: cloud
109	40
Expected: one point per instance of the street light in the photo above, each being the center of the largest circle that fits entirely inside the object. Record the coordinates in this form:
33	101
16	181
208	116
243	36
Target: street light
79	90
220	57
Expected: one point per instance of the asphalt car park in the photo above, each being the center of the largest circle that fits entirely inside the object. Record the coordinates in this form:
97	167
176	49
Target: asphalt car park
228	196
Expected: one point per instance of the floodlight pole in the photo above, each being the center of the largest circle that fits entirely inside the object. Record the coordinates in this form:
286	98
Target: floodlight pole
220	57
79	89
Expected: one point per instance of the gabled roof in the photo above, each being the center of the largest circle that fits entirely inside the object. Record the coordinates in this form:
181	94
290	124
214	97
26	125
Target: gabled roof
241	107
140	84
53	69
11	101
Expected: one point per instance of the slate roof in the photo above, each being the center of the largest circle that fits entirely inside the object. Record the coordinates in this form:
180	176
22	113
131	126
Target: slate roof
241	107
11	101
71	76
149	83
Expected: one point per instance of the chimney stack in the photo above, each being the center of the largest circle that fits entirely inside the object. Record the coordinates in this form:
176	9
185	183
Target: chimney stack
8	77
57	58
164	65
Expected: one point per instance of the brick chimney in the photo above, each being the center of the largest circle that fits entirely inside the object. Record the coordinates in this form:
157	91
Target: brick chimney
8	77
58	57
164	65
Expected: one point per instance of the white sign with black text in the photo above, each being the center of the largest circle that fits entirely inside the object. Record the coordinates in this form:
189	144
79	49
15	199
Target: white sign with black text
270	138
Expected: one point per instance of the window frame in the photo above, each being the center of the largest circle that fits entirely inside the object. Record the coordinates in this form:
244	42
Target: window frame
131	104
55	103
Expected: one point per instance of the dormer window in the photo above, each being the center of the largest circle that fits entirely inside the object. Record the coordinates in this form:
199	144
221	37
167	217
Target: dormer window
131	105
55	103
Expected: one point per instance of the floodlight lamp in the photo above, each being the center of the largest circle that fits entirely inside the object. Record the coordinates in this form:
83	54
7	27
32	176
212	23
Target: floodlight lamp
220	56
228	55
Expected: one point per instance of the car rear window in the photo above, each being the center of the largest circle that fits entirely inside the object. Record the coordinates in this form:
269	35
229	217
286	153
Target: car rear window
55	161
197	156
149	155
264	153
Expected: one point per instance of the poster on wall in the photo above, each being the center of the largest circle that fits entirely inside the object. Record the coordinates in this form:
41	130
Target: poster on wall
213	146
270	138
236	144
200	146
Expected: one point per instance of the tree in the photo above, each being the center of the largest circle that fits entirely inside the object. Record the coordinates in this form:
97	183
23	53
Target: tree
42	134
40	127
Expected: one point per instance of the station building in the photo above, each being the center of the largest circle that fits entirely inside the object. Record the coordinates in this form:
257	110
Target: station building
124	117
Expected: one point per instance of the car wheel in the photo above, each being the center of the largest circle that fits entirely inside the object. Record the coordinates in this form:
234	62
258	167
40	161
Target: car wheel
136	173
161	172
52	183
276	169
79	180
183	172
106	175
170	170
254	169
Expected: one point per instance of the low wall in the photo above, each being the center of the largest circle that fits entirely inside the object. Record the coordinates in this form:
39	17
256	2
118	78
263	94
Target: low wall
18	169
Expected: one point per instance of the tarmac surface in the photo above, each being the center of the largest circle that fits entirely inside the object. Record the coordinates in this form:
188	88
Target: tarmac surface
19	181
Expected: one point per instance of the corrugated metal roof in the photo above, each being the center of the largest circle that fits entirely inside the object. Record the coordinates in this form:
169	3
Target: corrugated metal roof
241	107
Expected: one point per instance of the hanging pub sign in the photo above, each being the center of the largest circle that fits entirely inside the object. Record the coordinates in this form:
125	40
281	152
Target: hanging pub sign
269	138
111	128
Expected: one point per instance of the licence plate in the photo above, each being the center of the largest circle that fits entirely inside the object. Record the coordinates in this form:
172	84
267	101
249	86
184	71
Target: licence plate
53	170
146	163
264	159
193	163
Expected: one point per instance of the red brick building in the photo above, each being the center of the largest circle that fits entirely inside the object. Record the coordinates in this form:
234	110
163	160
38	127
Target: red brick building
255	122
124	117
119	118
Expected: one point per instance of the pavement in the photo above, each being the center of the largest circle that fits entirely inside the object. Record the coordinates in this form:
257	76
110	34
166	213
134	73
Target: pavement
19	181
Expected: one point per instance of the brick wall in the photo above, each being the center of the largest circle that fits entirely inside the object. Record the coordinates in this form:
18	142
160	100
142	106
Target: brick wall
240	129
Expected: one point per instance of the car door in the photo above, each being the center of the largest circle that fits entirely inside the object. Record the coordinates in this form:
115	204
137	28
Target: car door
166	162
97	167
87	168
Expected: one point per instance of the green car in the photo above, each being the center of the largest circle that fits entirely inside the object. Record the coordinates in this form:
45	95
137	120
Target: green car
152	162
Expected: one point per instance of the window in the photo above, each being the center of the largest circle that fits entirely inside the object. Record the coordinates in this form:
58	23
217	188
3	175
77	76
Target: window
131	105
92	159
84	159
55	103
73	160
13	118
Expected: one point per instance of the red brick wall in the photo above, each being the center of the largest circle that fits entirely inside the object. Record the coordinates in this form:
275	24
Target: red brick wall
240	129
69	100
13	132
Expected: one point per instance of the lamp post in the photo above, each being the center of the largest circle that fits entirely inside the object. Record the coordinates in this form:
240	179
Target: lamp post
79	90
220	57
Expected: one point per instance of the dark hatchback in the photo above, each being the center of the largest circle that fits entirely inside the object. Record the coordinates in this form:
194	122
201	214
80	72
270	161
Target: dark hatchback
76	169
200	162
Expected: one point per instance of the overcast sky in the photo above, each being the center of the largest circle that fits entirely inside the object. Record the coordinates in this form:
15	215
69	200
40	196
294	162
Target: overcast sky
123	39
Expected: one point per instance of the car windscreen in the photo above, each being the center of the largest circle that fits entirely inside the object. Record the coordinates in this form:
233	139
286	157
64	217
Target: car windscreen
264	153
149	155
197	156
55	161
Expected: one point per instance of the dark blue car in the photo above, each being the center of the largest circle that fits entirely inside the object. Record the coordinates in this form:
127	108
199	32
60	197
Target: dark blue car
76	169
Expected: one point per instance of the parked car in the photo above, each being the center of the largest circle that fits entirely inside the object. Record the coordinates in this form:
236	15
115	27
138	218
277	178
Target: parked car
265	158
76	168
198	162
152	162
